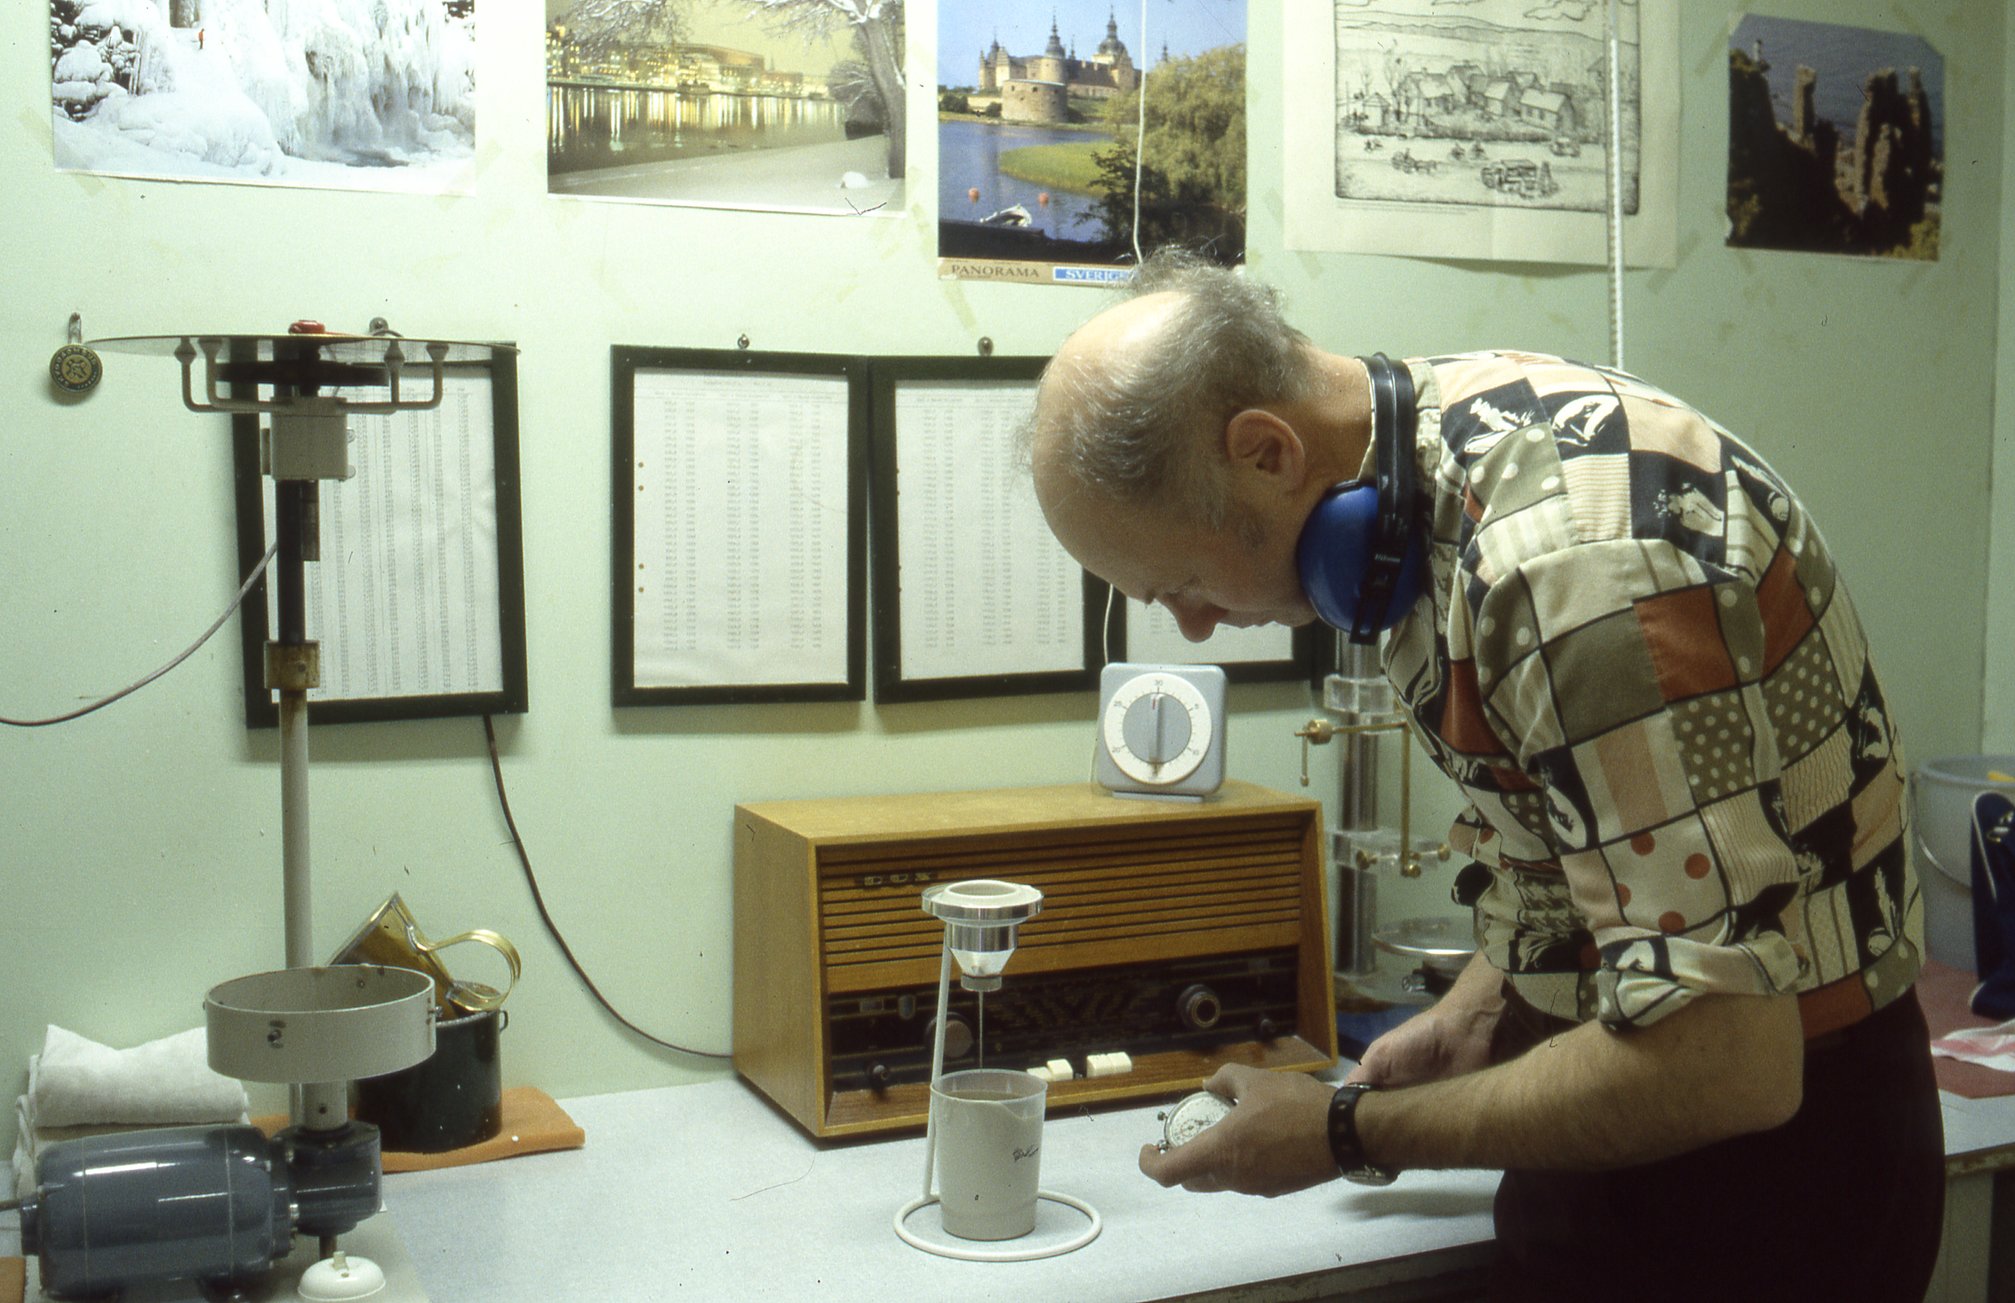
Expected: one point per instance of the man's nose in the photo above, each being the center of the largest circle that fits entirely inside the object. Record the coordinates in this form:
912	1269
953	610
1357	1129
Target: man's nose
1197	620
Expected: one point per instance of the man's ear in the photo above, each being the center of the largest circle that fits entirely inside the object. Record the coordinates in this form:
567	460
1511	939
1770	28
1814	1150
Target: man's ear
1260	442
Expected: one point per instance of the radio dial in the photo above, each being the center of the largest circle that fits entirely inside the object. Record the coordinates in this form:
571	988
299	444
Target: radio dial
958	1037
1198	1007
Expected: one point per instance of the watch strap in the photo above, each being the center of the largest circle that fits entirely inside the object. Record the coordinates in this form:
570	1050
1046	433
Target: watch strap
1344	1145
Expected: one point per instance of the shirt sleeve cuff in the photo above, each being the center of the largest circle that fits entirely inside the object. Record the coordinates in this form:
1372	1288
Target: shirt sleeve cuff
1646	978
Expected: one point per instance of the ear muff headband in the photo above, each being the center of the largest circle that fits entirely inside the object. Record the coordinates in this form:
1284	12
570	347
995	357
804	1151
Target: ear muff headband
1359	553
1395	418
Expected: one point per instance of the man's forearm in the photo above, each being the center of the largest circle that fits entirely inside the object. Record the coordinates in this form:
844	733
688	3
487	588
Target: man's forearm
1591	1098
1477	993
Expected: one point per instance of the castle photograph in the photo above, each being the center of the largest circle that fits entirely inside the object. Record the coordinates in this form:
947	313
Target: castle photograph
1039	87
1040	117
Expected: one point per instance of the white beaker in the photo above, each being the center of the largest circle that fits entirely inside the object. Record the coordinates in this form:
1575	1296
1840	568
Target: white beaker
988	1123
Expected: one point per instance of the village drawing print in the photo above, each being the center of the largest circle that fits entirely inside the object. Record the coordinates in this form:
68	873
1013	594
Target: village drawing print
1491	103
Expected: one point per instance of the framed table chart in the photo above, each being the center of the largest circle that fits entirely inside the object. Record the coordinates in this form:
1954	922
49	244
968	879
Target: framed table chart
418	599
739	527
973	596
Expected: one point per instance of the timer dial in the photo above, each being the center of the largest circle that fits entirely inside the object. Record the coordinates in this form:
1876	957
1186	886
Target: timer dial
1161	729
1157	728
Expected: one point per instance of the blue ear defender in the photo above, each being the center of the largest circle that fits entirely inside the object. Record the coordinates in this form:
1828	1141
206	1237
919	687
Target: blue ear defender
1361	555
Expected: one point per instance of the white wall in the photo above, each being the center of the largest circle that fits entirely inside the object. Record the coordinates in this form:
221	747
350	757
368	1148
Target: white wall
139	855
1998	731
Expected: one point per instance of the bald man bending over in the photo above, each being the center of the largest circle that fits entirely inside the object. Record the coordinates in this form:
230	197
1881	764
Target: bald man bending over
1689	1035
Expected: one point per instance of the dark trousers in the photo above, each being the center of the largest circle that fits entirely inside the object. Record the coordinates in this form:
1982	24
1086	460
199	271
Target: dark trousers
1844	1201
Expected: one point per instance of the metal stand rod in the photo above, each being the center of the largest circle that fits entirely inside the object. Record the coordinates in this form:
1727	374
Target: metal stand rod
297	900
937	1066
293	512
1357	811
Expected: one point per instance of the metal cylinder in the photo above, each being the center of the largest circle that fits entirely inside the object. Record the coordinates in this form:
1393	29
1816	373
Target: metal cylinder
178	1203
335	1173
1356	811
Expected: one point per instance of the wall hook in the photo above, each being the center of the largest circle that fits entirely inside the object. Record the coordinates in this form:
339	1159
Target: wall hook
75	368
742	342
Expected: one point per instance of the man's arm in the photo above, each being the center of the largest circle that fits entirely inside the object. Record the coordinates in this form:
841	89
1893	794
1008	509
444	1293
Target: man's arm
1591	1098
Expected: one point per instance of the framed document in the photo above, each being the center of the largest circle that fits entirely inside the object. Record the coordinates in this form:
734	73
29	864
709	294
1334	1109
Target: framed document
1267	652
973	595
418	600
740	527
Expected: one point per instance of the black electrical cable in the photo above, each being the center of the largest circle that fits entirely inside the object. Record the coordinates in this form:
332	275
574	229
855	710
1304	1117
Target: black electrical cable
132	688
539	902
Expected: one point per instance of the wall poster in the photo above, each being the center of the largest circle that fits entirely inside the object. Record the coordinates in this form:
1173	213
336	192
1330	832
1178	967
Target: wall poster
778	105
1480	129
1835	139
1038	119
341	94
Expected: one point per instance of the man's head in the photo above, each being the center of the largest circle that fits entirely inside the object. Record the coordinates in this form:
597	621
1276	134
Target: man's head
1170	445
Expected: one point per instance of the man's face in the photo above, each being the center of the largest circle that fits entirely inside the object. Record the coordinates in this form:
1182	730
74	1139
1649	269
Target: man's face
1240	575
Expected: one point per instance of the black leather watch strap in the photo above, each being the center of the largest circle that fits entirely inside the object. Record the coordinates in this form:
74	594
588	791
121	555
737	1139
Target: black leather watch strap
1344	1145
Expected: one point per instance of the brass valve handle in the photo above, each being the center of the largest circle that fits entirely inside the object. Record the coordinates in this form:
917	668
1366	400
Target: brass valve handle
1317	731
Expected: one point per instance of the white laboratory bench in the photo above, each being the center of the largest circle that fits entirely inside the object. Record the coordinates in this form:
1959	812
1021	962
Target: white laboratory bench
708	1192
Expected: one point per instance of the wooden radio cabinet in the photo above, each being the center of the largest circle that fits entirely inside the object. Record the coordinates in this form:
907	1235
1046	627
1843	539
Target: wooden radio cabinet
1173	937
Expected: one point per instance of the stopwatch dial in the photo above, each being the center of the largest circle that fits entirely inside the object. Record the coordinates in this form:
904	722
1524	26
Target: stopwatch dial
1192	1116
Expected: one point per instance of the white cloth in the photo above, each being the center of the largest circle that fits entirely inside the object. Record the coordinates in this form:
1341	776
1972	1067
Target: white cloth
30	1140
77	1082
24	1151
1993	1046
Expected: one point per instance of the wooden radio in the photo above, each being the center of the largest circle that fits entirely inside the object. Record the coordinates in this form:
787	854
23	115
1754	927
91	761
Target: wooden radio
1173	937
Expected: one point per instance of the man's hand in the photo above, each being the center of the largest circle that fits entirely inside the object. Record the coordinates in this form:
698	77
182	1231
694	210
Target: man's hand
1447	1040
1429	1046
1276	1140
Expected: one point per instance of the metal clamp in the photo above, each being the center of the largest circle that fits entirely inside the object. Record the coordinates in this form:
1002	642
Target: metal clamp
293	667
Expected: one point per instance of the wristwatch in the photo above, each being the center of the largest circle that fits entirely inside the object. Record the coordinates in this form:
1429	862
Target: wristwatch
1343	1142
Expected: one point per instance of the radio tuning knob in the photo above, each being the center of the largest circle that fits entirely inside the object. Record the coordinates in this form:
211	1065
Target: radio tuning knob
1198	1007
958	1037
878	1077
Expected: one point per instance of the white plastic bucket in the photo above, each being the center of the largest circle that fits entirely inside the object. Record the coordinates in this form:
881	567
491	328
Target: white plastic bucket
1943	796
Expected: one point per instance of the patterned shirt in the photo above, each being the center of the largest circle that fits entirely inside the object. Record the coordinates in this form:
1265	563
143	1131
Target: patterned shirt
1638	662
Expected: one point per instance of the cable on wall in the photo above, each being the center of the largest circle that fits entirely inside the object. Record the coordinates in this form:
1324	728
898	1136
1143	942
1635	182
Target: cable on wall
1140	135
134	687
545	917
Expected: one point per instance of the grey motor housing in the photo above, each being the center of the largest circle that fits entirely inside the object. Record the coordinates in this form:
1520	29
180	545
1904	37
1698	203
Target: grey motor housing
216	1204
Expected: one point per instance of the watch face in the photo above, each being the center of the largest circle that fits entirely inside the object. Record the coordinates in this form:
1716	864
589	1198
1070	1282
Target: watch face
1191	1116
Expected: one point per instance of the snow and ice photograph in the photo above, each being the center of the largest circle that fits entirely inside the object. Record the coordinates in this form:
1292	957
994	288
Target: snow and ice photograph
338	94
778	105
